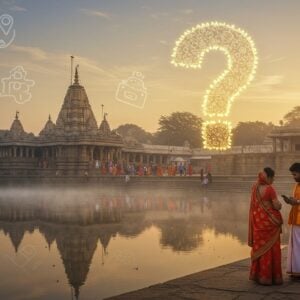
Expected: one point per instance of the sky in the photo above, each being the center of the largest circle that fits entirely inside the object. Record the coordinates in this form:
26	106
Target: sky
113	39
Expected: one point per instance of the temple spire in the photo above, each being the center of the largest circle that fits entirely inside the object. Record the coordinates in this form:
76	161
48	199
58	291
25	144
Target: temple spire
72	59
76	77
102	105
49	117
17	115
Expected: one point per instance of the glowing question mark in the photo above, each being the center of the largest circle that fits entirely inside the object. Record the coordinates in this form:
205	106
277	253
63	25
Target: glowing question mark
241	55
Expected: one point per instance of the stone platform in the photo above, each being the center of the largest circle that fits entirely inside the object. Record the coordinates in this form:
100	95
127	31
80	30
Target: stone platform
225	282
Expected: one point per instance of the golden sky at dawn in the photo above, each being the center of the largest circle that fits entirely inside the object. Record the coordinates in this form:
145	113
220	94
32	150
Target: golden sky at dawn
112	39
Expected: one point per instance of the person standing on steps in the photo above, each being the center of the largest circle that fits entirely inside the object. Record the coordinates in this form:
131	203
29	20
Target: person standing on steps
293	260
265	223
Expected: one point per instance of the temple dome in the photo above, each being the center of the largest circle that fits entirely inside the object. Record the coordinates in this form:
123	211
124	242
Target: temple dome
104	126
17	127
49	127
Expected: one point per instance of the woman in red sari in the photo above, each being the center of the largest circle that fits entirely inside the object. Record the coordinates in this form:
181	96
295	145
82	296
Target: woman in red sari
265	222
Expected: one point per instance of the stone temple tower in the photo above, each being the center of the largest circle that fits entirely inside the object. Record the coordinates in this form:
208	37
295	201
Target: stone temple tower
76	116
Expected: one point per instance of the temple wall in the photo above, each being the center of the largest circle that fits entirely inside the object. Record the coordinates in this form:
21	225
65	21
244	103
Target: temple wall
241	164
251	163
78	160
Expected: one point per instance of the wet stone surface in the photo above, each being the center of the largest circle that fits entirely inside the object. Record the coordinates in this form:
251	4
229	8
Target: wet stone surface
225	282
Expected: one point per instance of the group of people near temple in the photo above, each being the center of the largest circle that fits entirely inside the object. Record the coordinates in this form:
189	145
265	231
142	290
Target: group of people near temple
140	169
265	222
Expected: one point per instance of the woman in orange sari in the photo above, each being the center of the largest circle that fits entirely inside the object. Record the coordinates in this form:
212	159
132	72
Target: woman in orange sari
265	222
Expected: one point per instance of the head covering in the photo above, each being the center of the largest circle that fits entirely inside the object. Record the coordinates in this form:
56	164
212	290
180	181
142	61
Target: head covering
262	178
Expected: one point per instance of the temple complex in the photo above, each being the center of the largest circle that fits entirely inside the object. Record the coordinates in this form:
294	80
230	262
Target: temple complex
75	145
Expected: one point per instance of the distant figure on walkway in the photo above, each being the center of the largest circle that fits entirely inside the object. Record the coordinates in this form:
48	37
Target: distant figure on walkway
205	180
265	223
127	178
209	177
293	263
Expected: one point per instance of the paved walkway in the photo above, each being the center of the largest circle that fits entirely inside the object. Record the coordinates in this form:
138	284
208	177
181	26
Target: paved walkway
225	282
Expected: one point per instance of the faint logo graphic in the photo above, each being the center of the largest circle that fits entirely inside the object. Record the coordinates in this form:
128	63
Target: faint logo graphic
7	32
132	91
26	258
17	85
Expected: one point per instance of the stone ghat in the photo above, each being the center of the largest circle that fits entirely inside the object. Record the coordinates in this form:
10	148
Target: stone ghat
225	282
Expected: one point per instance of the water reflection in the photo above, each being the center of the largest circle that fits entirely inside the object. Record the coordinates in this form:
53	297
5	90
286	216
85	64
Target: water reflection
78	221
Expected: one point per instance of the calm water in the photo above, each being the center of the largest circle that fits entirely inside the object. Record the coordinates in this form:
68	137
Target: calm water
92	244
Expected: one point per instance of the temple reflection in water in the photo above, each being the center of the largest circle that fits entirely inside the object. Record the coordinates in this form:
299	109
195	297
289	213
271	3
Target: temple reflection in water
82	221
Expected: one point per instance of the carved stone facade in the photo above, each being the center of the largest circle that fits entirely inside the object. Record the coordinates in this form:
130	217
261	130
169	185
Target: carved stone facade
74	145
69	146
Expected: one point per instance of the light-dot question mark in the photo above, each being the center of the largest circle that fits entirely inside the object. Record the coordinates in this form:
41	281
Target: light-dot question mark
241	55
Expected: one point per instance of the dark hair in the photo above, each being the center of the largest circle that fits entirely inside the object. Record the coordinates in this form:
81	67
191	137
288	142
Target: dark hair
295	167
270	172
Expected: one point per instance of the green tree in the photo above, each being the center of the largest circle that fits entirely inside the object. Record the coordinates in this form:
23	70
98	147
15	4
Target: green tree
179	127
292	117
251	133
135	131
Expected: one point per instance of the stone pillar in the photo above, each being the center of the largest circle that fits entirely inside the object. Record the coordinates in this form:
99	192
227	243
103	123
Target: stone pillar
101	153
160	159
281	145
14	152
118	154
92	153
113	154
108	154
274	144
148	159
154	159
27	152
84	152
21	151
291	145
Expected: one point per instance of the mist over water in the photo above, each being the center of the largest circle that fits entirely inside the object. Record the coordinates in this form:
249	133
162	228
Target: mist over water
91	243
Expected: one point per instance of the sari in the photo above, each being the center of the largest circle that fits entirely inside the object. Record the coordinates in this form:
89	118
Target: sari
264	235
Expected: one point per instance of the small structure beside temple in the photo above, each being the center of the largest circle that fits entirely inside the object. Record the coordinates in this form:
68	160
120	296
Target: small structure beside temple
286	139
